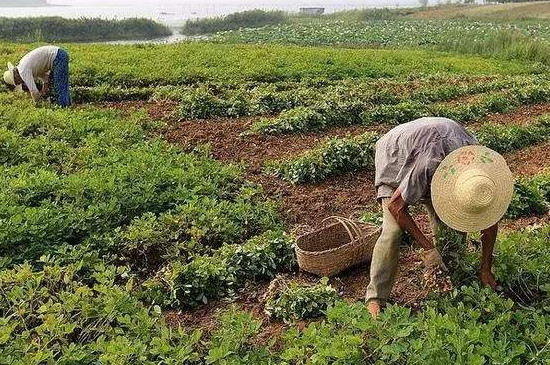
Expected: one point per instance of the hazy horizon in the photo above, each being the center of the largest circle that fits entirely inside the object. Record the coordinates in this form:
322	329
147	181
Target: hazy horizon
268	3
176	12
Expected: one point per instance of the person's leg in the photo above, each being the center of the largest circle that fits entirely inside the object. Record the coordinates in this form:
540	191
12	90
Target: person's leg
61	79
384	258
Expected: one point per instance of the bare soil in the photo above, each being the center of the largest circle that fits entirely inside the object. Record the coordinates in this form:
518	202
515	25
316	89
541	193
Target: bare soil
227	142
304	206
529	161
521	115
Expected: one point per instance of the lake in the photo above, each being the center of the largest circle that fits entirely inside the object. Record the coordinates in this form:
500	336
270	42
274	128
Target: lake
174	13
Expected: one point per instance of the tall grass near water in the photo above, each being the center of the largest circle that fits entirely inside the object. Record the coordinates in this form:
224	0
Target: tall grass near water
245	19
500	44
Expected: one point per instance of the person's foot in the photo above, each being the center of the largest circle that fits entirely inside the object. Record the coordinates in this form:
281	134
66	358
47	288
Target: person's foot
374	308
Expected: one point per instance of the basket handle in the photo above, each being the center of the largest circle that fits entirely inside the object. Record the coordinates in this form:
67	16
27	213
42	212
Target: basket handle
350	226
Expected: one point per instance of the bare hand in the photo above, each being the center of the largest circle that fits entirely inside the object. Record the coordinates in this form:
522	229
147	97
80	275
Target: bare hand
432	259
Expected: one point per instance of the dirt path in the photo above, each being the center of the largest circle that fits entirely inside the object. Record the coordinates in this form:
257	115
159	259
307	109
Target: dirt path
521	115
228	144
529	161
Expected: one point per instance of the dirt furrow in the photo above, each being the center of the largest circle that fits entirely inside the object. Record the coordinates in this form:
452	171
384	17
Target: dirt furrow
521	115
529	161
228	144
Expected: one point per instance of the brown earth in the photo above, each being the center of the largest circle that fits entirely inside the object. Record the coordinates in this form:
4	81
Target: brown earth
521	115
227	142
529	161
305	205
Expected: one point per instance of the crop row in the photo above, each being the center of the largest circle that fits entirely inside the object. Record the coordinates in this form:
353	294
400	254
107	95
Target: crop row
69	175
189	63
325	115
228	99
95	319
334	157
208	102
532	196
339	155
186	285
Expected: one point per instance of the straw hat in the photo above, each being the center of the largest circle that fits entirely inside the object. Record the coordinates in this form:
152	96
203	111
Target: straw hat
9	77
472	188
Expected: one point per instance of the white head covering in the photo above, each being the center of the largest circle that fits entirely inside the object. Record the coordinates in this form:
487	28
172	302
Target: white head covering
9	77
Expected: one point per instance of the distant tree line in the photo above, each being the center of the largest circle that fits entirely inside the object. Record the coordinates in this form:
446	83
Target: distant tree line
57	29
245	19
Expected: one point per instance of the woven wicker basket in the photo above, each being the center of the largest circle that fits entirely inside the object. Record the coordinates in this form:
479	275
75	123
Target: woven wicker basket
336	247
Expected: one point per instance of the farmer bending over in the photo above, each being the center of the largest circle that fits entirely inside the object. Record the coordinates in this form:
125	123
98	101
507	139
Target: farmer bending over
49	64
435	161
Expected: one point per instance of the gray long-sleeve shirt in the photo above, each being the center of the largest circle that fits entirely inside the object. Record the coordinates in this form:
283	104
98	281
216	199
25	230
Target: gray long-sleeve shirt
408	155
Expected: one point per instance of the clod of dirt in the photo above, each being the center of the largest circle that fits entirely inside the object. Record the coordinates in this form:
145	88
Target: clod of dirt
437	281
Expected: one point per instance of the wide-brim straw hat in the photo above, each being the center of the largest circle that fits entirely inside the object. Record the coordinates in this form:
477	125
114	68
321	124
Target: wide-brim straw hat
472	188
9	77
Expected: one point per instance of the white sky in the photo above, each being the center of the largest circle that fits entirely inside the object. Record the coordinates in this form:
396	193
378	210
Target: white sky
365	3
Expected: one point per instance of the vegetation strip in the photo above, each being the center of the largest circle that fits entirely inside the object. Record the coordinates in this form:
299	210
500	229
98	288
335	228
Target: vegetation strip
57	29
340	155
323	116
193	62
103	321
211	101
527	40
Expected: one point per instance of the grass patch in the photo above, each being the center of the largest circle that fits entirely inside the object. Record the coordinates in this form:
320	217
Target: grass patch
246	19
57	29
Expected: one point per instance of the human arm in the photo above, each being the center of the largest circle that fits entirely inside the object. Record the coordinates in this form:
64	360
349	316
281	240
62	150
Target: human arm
488	239
399	209
45	87
28	78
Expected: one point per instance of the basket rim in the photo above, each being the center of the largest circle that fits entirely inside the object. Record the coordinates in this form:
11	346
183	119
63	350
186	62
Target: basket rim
350	243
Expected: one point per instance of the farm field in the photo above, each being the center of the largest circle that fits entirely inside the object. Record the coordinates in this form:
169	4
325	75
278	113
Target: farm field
154	221
509	11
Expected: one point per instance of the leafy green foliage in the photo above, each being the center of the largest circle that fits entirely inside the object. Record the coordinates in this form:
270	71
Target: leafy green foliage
84	173
233	341
109	93
57	29
193	228
222	273
211	100
244	19
55	315
336	156
294	302
472	325
518	266
506	138
321	117
193	62
505	40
